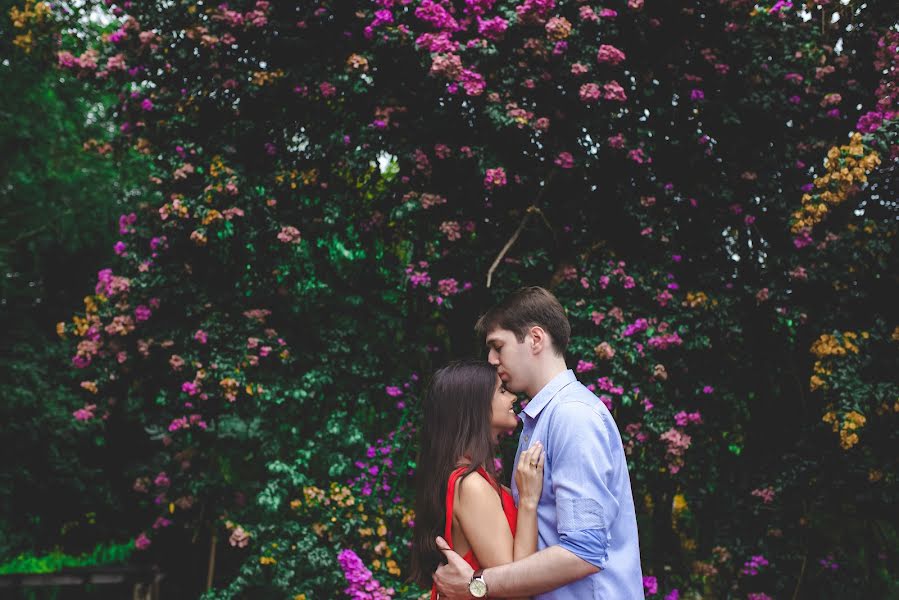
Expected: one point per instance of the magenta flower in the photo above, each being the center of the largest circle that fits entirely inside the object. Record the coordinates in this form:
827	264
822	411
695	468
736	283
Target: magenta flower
448	287
327	89
142	313
564	160
584	366
142	542
638	156
433	13
472	82
651	585
201	336
492	29
752	566
362	584
779	6
697	95
86	413
126	222
495	178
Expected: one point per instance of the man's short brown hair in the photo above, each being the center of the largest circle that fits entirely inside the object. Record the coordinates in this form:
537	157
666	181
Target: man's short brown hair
524	309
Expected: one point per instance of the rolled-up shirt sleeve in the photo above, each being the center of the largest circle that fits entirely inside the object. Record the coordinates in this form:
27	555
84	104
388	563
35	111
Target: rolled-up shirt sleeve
581	460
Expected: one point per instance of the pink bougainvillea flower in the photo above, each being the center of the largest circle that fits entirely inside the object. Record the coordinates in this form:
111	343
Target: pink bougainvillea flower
495	178
589	93
289	235
564	160
609	54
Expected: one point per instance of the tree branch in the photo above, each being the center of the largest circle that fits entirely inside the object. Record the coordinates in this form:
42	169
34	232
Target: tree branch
532	209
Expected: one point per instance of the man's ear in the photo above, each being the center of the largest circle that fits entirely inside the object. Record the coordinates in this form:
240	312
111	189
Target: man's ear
538	339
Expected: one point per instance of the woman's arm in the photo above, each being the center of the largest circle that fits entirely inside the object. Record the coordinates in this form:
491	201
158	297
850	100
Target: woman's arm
529	478
479	511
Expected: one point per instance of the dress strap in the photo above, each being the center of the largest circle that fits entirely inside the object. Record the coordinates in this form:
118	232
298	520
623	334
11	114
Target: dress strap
450	495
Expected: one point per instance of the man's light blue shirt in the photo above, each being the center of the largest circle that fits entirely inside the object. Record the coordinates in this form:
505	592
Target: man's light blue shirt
586	506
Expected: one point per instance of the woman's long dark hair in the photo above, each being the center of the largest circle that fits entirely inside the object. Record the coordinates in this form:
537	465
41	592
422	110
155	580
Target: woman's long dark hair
457	413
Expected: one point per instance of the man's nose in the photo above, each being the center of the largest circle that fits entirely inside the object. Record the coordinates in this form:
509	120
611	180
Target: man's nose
493	358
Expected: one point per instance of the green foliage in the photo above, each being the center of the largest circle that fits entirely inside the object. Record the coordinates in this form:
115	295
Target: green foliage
103	554
322	228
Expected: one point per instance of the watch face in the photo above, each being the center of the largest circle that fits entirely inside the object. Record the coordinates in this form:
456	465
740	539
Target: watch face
478	588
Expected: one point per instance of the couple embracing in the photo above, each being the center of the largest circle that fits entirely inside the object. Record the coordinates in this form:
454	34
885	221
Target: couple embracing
567	528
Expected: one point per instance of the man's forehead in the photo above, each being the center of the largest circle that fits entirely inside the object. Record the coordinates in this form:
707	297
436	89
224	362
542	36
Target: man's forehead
498	335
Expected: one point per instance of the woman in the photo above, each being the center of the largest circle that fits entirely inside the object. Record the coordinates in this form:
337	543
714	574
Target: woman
466	410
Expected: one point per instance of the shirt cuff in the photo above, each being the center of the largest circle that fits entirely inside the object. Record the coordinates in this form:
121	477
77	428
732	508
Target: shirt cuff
591	545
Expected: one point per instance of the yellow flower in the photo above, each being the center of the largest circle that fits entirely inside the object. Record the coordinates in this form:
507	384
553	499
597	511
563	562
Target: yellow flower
90	305
816	383
356	62
267	560
679	504
857	419
393	568
61	329
261	78
309	177
695	299
212	215
848	441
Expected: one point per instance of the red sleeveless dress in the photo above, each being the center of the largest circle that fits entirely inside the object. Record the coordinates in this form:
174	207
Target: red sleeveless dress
509	509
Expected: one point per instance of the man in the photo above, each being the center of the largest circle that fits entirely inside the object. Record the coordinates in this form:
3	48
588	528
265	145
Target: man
587	526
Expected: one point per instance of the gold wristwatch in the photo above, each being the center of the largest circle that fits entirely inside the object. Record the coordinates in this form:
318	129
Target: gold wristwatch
477	587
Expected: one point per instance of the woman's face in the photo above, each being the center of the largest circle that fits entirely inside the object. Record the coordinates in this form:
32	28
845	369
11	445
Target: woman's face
502	418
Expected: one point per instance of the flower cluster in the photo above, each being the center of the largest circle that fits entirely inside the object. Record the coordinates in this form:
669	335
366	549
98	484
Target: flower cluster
845	426
363	586
846	169
752	566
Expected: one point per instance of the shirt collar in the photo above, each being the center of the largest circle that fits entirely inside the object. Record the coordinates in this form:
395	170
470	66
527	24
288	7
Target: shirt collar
539	402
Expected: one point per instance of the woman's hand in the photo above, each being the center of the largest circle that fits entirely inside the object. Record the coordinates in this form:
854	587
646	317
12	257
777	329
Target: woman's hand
529	475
